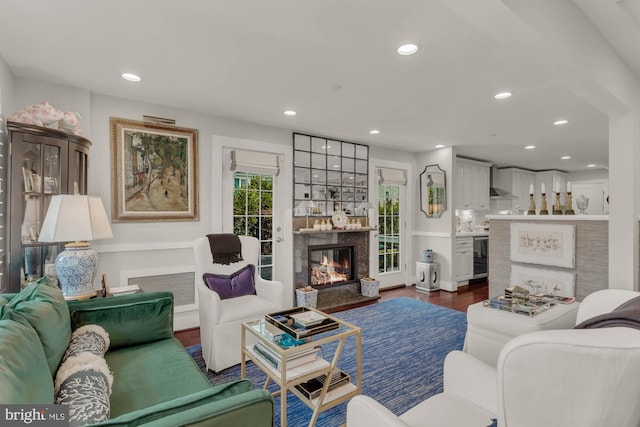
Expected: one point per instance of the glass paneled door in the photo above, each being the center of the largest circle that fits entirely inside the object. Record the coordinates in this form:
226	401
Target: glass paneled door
388	256
253	206
253	214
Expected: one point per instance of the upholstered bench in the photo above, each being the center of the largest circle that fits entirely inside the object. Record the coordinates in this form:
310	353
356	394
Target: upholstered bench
489	329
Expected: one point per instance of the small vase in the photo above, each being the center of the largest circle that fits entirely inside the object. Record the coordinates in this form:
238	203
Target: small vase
427	256
582	203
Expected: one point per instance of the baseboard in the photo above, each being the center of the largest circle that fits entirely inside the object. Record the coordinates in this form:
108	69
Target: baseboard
185	320
449	286
388	288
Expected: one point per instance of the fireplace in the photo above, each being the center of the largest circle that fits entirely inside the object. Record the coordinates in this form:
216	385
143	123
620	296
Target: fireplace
332	265
309	248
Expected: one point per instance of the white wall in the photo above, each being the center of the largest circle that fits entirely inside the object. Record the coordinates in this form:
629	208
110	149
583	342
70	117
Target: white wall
161	247
65	98
6	88
435	233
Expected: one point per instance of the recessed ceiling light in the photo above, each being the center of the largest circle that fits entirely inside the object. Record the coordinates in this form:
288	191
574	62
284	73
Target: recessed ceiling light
336	166
503	95
374	131
131	77
440	146
591	165
560	122
565	157
408	49
290	113
529	147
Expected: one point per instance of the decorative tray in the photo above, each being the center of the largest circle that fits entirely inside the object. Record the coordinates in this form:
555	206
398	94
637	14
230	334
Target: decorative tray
286	321
529	307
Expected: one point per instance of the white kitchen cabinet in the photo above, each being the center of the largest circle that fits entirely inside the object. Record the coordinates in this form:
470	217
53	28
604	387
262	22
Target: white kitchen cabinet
471	186
463	260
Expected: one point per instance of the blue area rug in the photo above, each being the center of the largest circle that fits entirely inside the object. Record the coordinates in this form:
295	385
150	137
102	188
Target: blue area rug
404	343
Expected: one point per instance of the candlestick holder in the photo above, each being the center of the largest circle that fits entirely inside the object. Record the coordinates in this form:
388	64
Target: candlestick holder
557	210
532	206
543	205
569	210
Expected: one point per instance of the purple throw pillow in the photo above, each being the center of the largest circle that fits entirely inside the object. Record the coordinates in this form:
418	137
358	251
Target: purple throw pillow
236	285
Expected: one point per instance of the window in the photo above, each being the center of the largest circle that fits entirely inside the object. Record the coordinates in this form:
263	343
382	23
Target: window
389	223
253	214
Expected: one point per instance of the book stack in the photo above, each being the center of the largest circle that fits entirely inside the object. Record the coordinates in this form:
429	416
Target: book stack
292	360
312	388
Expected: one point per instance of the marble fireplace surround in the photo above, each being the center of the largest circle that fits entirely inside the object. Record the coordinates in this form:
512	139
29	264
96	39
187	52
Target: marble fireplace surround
336	295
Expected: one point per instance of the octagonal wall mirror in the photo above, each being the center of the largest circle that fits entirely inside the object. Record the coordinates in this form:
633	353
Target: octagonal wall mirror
433	191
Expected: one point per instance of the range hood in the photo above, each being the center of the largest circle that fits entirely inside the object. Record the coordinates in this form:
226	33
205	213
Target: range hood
498	193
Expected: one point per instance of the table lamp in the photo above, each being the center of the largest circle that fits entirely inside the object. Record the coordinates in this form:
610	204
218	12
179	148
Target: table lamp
76	219
307	205
365	206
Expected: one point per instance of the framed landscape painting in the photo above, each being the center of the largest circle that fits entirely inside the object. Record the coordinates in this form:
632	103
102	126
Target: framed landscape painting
153	172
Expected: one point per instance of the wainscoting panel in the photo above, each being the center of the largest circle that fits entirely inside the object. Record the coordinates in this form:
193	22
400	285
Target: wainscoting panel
180	284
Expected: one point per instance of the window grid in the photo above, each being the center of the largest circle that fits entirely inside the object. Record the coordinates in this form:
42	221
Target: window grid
253	214
389	223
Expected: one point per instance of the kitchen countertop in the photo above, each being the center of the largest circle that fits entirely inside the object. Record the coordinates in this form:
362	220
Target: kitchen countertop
472	233
549	217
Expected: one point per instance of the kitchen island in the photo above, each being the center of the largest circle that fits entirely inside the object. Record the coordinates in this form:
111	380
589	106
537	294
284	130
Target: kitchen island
591	254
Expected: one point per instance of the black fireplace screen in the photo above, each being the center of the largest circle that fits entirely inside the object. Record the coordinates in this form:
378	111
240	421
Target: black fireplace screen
331	265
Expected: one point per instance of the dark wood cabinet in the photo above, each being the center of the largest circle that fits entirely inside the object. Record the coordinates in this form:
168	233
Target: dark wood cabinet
43	162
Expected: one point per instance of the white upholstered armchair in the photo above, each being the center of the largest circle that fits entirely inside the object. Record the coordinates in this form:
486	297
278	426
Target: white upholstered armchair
553	378
221	319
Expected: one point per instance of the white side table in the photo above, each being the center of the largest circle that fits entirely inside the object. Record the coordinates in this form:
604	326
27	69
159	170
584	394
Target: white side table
489	329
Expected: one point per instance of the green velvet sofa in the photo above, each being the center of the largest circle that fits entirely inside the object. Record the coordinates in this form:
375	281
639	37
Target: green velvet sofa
155	381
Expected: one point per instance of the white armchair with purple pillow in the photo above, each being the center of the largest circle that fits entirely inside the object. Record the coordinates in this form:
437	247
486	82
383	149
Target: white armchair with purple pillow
229	294
583	377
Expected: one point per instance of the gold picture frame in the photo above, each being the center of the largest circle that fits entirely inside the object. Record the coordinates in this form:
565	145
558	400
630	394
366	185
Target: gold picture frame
154	172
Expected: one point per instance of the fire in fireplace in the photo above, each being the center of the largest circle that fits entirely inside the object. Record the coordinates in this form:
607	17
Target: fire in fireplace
331	265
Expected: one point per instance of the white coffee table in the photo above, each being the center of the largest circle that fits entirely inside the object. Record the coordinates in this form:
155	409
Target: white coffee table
489	329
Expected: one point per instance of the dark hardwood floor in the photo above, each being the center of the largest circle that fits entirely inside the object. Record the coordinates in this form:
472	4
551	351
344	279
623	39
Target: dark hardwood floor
460	300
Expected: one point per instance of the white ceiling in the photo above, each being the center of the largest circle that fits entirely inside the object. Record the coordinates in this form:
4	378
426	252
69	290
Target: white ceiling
334	62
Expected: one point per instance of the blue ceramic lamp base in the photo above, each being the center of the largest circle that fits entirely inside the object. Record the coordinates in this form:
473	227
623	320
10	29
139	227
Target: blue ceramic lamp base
76	268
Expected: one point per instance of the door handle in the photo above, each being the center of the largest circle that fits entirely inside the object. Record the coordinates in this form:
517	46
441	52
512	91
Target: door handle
279	239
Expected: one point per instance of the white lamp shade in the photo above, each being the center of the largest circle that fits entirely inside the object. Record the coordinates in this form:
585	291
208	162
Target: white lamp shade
75	218
307	204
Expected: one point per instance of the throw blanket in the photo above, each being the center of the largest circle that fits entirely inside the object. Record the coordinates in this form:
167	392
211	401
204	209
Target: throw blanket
225	248
628	314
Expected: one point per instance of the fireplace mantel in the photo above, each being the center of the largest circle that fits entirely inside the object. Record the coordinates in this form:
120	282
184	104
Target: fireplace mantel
312	231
